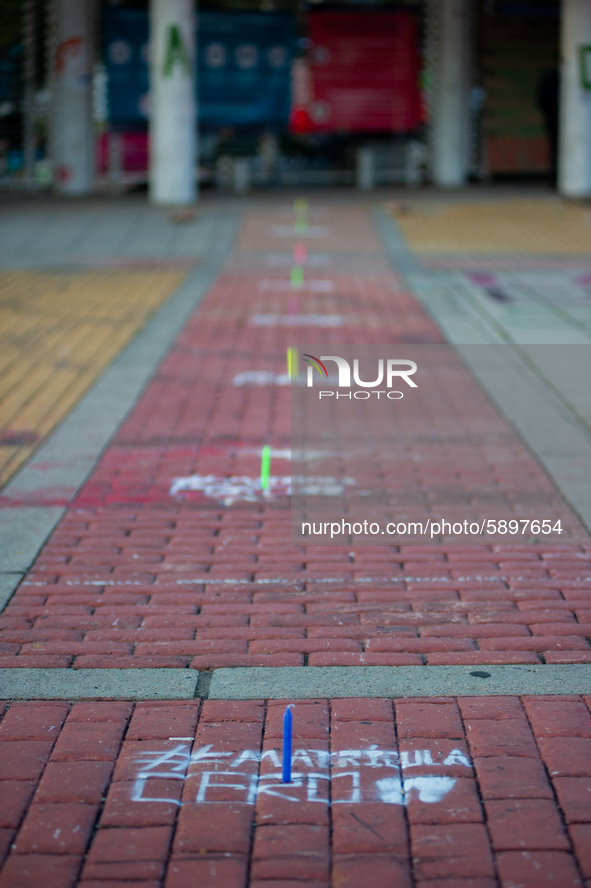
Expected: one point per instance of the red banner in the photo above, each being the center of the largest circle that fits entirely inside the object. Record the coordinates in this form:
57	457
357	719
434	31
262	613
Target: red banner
365	70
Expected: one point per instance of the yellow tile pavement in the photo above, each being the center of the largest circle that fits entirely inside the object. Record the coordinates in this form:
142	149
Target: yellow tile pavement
503	226
58	332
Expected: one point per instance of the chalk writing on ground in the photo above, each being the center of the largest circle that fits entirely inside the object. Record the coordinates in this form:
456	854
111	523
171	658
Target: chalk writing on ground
296	320
354	775
292	231
259	378
241	488
316	286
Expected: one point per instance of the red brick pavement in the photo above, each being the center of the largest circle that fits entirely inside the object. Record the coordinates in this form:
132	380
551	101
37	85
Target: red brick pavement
133	576
471	792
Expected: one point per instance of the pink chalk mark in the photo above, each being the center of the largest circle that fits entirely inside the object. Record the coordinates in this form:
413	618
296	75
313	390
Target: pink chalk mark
483	279
292	305
300	253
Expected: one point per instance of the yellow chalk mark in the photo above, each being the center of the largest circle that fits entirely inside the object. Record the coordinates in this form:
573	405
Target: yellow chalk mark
292	362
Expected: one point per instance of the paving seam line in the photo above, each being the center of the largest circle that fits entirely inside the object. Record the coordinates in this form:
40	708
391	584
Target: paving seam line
297	682
76	445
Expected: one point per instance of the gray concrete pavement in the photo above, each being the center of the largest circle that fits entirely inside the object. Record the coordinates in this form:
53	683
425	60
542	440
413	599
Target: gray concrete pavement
532	358
543	393
50	234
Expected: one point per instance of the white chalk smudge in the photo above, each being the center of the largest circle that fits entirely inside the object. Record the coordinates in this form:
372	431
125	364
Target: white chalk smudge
253	378
314	286
291	231
430	789
297	320
241	488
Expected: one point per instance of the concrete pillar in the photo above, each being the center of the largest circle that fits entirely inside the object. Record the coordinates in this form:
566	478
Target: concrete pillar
414	159
72	132
268	154
574	139
450	96
115	162
241	175
365	169
173	112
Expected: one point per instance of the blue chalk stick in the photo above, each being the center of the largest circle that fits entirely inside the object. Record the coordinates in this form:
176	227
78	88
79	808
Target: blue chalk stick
287	732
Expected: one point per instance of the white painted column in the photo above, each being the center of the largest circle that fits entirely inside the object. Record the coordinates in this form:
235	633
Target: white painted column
173	111
574	136
450	95
72	132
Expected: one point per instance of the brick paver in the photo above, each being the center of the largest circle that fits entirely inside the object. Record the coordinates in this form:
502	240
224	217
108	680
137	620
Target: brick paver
58	332
136	576
445	791
470	792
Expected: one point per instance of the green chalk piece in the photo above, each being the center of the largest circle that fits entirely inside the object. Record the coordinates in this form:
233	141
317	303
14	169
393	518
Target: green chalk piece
297	277
300	206
265	467
292	362
301	226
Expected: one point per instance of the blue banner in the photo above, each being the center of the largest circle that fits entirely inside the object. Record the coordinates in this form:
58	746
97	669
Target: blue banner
243	68
125	36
